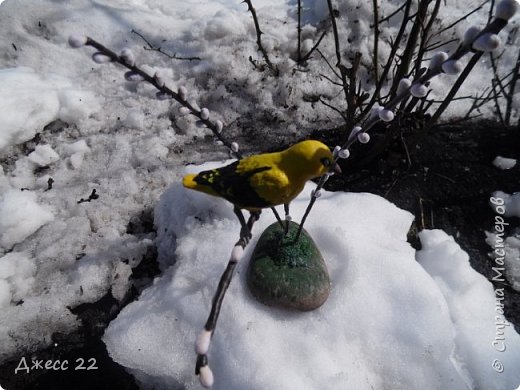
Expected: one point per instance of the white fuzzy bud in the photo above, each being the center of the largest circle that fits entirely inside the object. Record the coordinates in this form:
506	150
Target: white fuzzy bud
202	342
403	85
236	253
77	40
219	125
487	42
127	56
316	194
375	111
336	150
204	114
344	153
438	59
385	115
100	58
356	130
506	9
162	95
206	377
419	90
470	34
452	67
132	76
159	79
364	138
218	142
183	92
184	110
234	147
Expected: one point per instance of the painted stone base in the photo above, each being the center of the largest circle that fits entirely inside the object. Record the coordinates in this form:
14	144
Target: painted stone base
288	274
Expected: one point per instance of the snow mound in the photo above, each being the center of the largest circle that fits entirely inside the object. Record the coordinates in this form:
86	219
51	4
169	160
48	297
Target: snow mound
388	322
504	162
475	312
506	204
21	217
29	101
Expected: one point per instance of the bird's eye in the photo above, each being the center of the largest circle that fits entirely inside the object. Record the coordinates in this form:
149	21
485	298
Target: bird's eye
325	161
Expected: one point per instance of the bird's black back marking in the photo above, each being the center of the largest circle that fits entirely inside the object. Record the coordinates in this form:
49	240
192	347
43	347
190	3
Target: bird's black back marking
232	185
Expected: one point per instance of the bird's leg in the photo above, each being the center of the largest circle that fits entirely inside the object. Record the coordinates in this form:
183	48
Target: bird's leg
278	218
287	218
244	230
203	341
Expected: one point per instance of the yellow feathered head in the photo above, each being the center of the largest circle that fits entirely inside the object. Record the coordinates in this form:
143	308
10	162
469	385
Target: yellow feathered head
311	158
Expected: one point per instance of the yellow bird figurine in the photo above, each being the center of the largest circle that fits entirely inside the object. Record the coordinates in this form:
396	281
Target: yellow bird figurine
266	180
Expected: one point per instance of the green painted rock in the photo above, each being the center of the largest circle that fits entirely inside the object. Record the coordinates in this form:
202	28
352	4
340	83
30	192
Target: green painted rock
288	274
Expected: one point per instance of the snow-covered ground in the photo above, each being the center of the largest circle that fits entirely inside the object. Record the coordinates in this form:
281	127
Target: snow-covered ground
390	322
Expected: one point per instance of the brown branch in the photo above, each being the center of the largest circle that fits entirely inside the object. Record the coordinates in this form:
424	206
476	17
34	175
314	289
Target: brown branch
299	29
512	86
411	43
162	88
394	46
454	89
376	39
339	64
424	37
461	19
315	47
158	49
259	38
386	18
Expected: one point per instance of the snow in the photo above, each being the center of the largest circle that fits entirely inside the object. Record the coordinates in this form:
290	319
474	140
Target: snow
510	203
84	126
506	253
504	162
473	308
30	100
434	317
43	155
21	215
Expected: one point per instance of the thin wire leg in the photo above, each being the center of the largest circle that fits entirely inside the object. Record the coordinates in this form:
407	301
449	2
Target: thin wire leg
278	217
287	218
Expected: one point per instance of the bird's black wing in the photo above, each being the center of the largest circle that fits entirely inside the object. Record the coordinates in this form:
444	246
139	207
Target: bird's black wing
232	185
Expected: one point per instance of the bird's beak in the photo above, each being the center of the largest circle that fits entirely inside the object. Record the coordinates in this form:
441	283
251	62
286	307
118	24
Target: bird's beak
336	169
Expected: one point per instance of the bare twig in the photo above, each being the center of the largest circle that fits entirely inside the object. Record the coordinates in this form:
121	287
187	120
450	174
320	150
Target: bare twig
411	43
259	38
454	89
334	108
329	79
158	49
461	19
299	29
386	18
424	37
329	65
315	47
339	64
394	47
496	94
512	86
376	39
